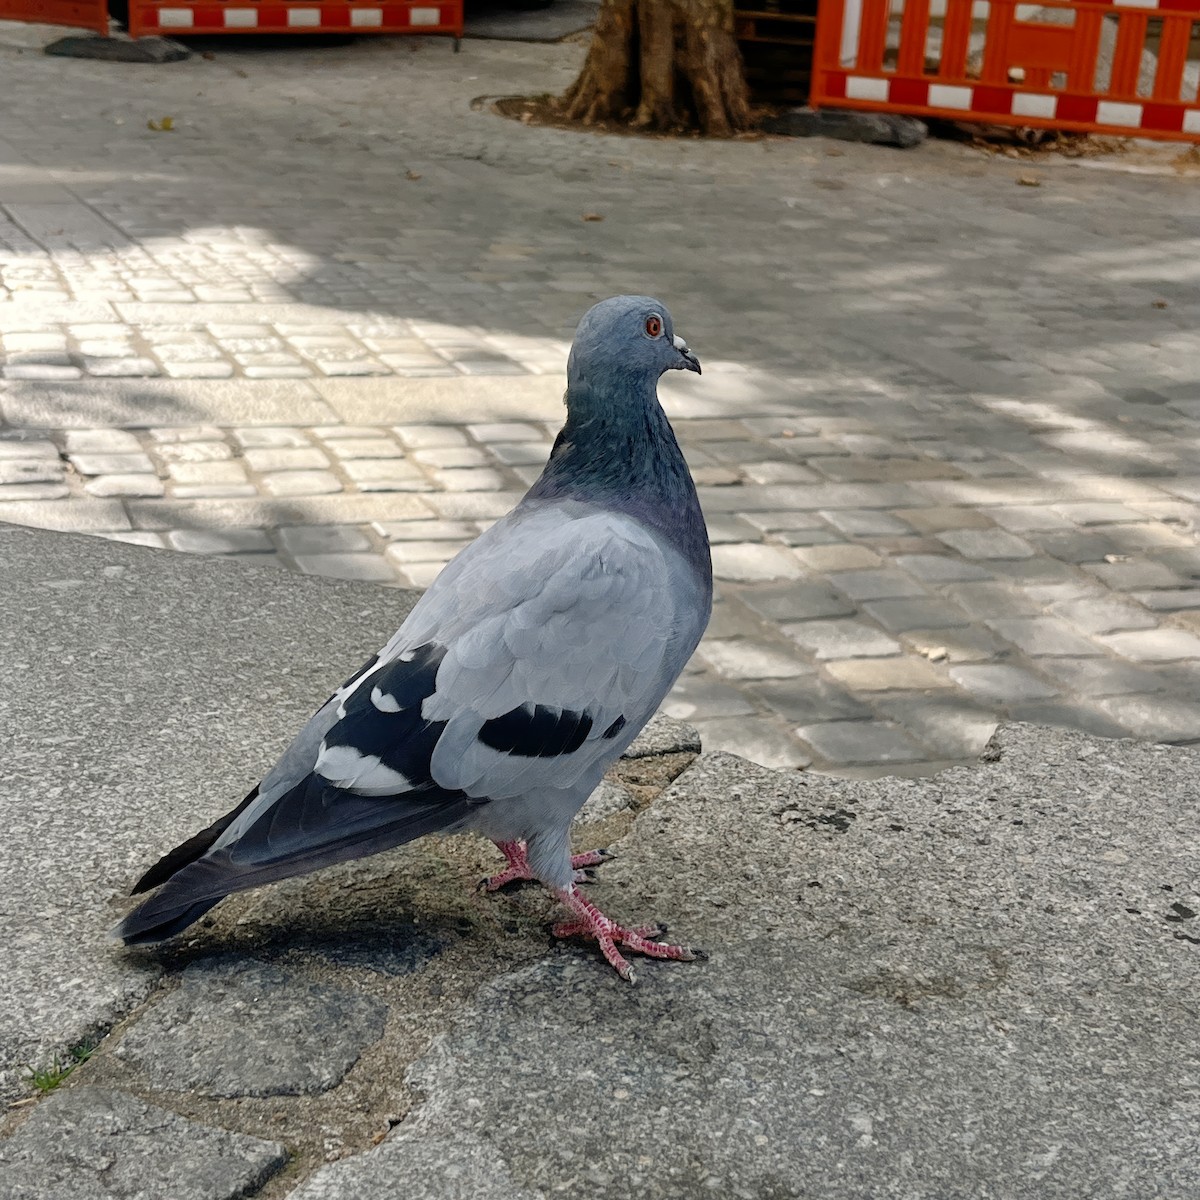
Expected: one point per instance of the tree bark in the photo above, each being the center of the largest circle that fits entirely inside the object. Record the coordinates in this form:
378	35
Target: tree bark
665	65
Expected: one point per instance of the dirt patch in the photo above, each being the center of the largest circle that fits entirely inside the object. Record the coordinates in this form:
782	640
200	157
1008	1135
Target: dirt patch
550	111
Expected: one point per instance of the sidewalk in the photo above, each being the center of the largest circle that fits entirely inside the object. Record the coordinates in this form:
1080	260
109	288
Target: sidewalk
947	437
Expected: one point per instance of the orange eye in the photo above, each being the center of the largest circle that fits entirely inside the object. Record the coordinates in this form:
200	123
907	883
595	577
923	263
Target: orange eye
654	326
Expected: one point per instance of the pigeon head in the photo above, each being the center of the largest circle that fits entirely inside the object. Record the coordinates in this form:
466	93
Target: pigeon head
628	337
617	448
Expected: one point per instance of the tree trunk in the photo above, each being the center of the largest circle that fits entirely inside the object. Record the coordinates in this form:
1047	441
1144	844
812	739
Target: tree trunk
665	65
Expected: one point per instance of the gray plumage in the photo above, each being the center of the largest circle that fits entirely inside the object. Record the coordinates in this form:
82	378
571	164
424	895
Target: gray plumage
529	665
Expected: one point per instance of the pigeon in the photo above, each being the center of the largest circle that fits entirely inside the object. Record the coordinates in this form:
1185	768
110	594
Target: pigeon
524	671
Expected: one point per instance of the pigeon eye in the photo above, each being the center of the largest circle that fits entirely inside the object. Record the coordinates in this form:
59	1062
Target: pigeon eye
654	326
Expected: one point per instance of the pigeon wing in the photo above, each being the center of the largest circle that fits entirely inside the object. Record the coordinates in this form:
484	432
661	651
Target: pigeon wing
561	663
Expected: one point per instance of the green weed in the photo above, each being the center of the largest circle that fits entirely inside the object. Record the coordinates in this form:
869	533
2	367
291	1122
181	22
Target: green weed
45	1079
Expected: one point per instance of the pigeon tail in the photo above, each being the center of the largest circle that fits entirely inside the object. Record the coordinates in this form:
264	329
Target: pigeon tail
188	852
142	927
292	837
183	899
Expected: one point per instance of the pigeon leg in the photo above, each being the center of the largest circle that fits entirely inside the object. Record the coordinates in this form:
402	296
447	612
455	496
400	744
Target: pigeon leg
590	922
518	865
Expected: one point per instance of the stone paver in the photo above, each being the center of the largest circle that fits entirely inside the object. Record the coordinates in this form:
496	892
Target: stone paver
854	743
225	541
830	640
745	562
888	674
875	949
1154	645
977	481
1001	683
744	658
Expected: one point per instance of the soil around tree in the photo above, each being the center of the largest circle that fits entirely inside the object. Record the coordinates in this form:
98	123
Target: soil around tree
552	111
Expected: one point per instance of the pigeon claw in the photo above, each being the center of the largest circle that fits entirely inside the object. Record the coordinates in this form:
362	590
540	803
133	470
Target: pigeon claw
518	870
582	864
592	858
589	922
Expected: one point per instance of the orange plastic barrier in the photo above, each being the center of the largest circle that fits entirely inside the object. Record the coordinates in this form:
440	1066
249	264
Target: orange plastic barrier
182	17
992	62
81	14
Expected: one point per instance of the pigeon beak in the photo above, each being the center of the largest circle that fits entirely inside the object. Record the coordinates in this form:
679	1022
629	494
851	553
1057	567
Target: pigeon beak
690	361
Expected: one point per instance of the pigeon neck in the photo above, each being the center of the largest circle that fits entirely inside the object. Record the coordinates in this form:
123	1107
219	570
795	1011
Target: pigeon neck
625	456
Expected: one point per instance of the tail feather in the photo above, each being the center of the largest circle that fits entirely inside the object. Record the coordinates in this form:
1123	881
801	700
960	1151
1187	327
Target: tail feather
179	902
189	851
141	928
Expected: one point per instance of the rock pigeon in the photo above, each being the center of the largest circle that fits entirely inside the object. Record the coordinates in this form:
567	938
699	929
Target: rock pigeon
519	677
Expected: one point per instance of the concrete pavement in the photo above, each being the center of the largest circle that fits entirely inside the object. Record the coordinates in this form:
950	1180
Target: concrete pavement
947	436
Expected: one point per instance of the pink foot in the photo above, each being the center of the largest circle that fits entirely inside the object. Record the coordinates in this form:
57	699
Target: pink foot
590	922
518	865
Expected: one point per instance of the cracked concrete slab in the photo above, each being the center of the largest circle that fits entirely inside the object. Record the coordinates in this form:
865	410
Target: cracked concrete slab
237	1027
99	1144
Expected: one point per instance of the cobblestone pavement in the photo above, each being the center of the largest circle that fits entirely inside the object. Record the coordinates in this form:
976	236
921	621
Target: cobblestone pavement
948	435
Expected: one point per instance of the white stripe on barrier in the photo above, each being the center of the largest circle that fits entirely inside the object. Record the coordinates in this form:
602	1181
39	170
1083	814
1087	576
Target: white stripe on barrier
943	96
304	18
1136	3
859	88
241	18
176	18
1024	104
366	16
424	16
1030	104
1110	112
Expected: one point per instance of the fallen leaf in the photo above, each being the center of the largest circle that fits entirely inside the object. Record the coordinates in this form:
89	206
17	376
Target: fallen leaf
162	125
413	175
1158	304
1029	181
592	217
